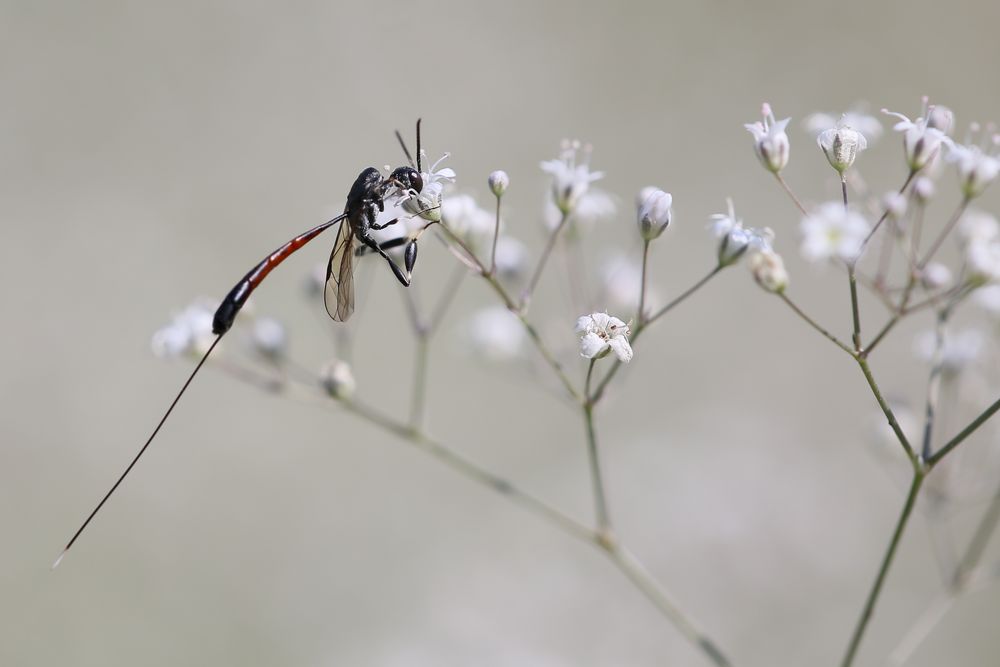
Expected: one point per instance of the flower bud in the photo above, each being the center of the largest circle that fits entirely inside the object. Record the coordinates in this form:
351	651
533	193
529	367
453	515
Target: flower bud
923	189
935	276
768	269
499	181
337	380
841	145
770	141
270	337
895	205
654	214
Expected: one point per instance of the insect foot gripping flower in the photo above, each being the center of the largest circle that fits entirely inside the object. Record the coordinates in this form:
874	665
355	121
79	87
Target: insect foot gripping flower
922	138
841	145
768	269
600	334
654	214
770	141
570	178
977	167
427	202
337	380
831	232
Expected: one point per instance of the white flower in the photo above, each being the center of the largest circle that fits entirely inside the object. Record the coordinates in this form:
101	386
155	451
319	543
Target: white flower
770	141
622	280
768	269
977	225
189	332
570	179
470	222
337	379
957	352
735	238
895	204
988	298
983	258
269	337
855	117
831	232
496	334
498	181
935	276
923	188
427	203
512	257
976	168
600	334
593	207
841	145
922	138
654	214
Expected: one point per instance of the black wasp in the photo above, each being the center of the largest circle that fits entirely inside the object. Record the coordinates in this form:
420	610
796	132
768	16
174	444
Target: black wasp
365	201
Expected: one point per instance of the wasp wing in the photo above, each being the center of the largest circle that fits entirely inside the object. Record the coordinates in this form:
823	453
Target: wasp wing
339	294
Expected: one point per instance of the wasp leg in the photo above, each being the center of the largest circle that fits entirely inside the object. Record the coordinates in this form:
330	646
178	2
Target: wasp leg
363	250
385	224
373	244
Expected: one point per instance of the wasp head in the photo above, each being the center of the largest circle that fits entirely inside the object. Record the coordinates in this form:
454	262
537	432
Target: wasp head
407	179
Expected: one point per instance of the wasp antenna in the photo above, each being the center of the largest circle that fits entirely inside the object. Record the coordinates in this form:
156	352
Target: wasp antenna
419	167
409	158
141	452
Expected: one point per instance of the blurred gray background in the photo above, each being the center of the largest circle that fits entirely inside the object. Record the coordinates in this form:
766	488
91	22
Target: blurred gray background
150	153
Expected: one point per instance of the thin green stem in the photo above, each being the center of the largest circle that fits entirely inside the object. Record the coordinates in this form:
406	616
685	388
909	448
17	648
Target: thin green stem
640	577
788	190
540	267
855	310
934	384
965	433
811	322
873	595
593	458
889	414
496	237
640	316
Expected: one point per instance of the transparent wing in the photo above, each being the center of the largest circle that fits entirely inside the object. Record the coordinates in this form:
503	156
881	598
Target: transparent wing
339	295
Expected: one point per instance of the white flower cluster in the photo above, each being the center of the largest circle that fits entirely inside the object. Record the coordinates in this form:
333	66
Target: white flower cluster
188	333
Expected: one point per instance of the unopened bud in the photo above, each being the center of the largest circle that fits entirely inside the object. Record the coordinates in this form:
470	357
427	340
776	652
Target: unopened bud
655	214
499	181
923	189
337	380
269	337
768	269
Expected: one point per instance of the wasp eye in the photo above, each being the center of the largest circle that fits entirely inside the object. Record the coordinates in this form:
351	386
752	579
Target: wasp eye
416	181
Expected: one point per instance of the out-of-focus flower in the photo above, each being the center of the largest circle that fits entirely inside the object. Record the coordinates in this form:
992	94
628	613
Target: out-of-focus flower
512	258
957	352
895	204
770	141
314	282
188	333
498	181
571	178
977	168
983	259
923	188
988	298
600	334
337	379
922	138
427	203
832	232
735	238
496	334
269	337
855	117
768	269
977	225
841	145
935	276
654	214
621	277
467	220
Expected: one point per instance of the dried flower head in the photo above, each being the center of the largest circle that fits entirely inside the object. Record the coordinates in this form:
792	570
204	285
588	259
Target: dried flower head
768	269
841	145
